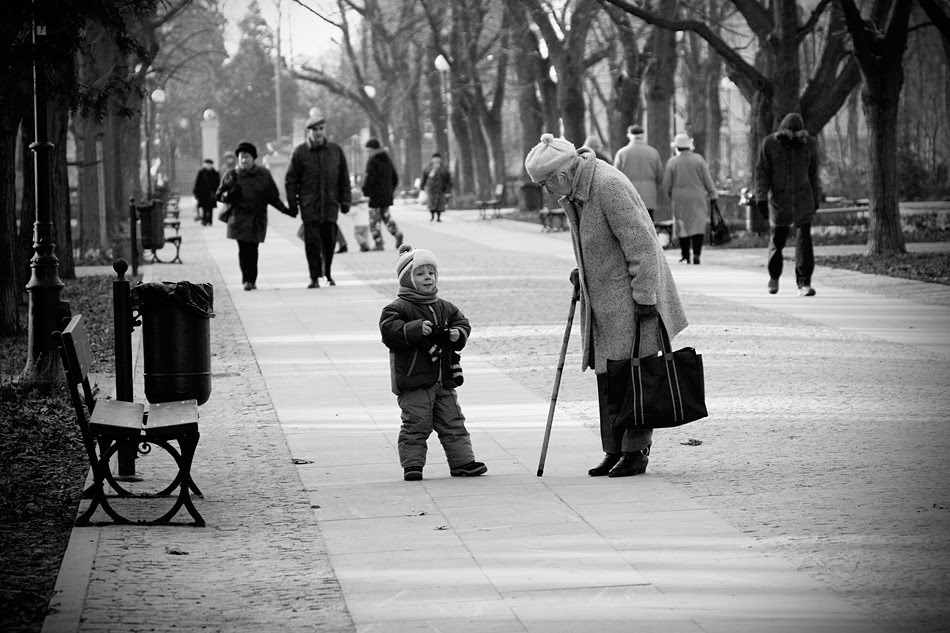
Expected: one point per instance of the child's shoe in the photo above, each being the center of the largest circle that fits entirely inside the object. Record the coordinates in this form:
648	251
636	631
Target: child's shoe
471	469
413	473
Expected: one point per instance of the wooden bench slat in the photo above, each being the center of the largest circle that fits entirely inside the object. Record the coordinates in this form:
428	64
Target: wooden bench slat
114	418
172	418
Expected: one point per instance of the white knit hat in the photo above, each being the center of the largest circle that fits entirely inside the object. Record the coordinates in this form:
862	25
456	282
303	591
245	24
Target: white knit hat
682	141
548	156
409	258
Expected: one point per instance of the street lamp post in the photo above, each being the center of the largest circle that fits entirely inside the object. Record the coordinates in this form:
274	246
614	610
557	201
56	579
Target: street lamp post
46	310
442	65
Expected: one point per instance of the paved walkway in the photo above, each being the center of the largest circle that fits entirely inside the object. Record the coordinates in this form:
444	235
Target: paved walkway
311	528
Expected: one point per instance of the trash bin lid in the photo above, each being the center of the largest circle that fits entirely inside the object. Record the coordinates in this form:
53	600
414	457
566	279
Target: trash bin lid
197	298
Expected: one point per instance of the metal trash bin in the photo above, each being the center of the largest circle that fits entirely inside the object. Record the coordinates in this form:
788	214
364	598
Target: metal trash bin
176	339
152	221
532	196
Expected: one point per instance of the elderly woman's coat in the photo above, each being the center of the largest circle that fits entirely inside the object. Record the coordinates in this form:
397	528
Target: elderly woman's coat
248	192
689	186
620	263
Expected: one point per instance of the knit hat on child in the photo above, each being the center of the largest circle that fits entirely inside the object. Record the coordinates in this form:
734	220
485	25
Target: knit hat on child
409	259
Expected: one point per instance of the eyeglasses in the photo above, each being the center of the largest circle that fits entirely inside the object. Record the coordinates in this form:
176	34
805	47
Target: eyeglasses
551	178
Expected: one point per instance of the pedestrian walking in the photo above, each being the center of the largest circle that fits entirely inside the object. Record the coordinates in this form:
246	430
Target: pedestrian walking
641	163
247	190
359	214
787	194
379	185
437	183
690	187
623	278
206	186
318	184
424	334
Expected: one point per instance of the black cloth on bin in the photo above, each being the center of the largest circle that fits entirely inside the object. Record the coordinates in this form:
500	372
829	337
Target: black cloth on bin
197	298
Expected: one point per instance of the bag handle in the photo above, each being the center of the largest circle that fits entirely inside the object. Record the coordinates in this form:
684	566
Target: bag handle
663	338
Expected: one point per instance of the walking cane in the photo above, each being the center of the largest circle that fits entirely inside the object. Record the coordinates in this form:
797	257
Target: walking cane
557	376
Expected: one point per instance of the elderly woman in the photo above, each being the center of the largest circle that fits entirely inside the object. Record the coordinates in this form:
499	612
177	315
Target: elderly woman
248	189
624	280
689	185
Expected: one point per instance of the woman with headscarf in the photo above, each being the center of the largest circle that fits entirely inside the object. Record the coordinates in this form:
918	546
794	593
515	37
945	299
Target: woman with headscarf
248	189
623	278
690	187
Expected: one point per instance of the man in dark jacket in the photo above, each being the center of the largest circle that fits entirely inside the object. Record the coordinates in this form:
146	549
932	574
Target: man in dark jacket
318	185
787	193
206	185
379	185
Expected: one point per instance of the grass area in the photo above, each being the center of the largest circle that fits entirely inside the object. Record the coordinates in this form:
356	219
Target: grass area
42	464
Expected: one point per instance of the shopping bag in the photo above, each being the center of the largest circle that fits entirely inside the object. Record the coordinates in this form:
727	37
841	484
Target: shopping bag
423	197
718	231
659	391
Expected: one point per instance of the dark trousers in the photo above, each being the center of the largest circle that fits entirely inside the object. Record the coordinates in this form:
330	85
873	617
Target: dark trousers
247	258
319	242
206	212
804	253
696	241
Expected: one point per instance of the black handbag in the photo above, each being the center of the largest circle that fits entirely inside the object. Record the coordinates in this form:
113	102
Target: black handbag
718	231
659	391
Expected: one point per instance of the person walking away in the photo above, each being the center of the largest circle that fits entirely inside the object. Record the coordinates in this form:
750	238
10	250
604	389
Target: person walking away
641	163
379	185
424	334
690	186
248	189
787	193
206	186
623	278
437	183
318	184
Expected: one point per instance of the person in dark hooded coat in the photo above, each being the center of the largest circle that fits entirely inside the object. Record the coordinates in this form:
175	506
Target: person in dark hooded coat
379	185
787	193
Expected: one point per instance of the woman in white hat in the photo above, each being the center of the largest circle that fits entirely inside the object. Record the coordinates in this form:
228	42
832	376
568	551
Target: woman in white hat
690	187
623	276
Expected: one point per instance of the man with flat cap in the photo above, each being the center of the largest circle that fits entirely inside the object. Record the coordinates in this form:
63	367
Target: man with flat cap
318	185
642	165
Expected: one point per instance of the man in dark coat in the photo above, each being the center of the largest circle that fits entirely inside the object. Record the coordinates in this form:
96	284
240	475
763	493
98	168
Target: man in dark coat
206	185
787	192
318	185
379	185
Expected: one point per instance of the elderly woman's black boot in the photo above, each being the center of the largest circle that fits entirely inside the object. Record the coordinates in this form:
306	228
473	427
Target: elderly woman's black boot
631	464
601	469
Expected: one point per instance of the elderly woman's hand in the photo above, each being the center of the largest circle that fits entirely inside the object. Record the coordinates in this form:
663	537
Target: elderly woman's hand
645	311
575	278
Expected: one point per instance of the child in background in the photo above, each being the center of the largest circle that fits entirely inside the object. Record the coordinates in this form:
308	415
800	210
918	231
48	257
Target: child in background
423	333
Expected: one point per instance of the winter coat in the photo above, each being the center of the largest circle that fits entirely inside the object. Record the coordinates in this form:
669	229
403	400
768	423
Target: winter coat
248	192
437	185
411	365
318	182
620	263
642	165
206	186
380	181
690	187
787	167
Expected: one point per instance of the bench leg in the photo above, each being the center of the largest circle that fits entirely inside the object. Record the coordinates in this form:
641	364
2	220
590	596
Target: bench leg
188	443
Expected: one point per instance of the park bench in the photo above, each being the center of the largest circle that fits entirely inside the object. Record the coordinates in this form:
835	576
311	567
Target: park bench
107	426
492	203
553	219
155	217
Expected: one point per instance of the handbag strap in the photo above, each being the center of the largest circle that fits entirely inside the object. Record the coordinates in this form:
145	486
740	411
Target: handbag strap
663	338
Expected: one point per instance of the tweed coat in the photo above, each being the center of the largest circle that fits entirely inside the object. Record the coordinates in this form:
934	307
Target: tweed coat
642	165
248	221
689	186
437	185
620	263
787	167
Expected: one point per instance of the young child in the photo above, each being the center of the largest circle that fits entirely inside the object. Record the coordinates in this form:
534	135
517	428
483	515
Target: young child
423	334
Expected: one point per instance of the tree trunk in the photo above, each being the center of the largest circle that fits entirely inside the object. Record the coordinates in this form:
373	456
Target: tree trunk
464	172
59	187
714	118
570	100
11	259
881	107
660	91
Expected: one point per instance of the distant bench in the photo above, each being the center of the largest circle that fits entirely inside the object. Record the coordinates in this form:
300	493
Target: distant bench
110	425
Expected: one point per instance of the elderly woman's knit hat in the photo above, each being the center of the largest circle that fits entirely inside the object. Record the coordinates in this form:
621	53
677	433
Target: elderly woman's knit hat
409	258
548	156
244	146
